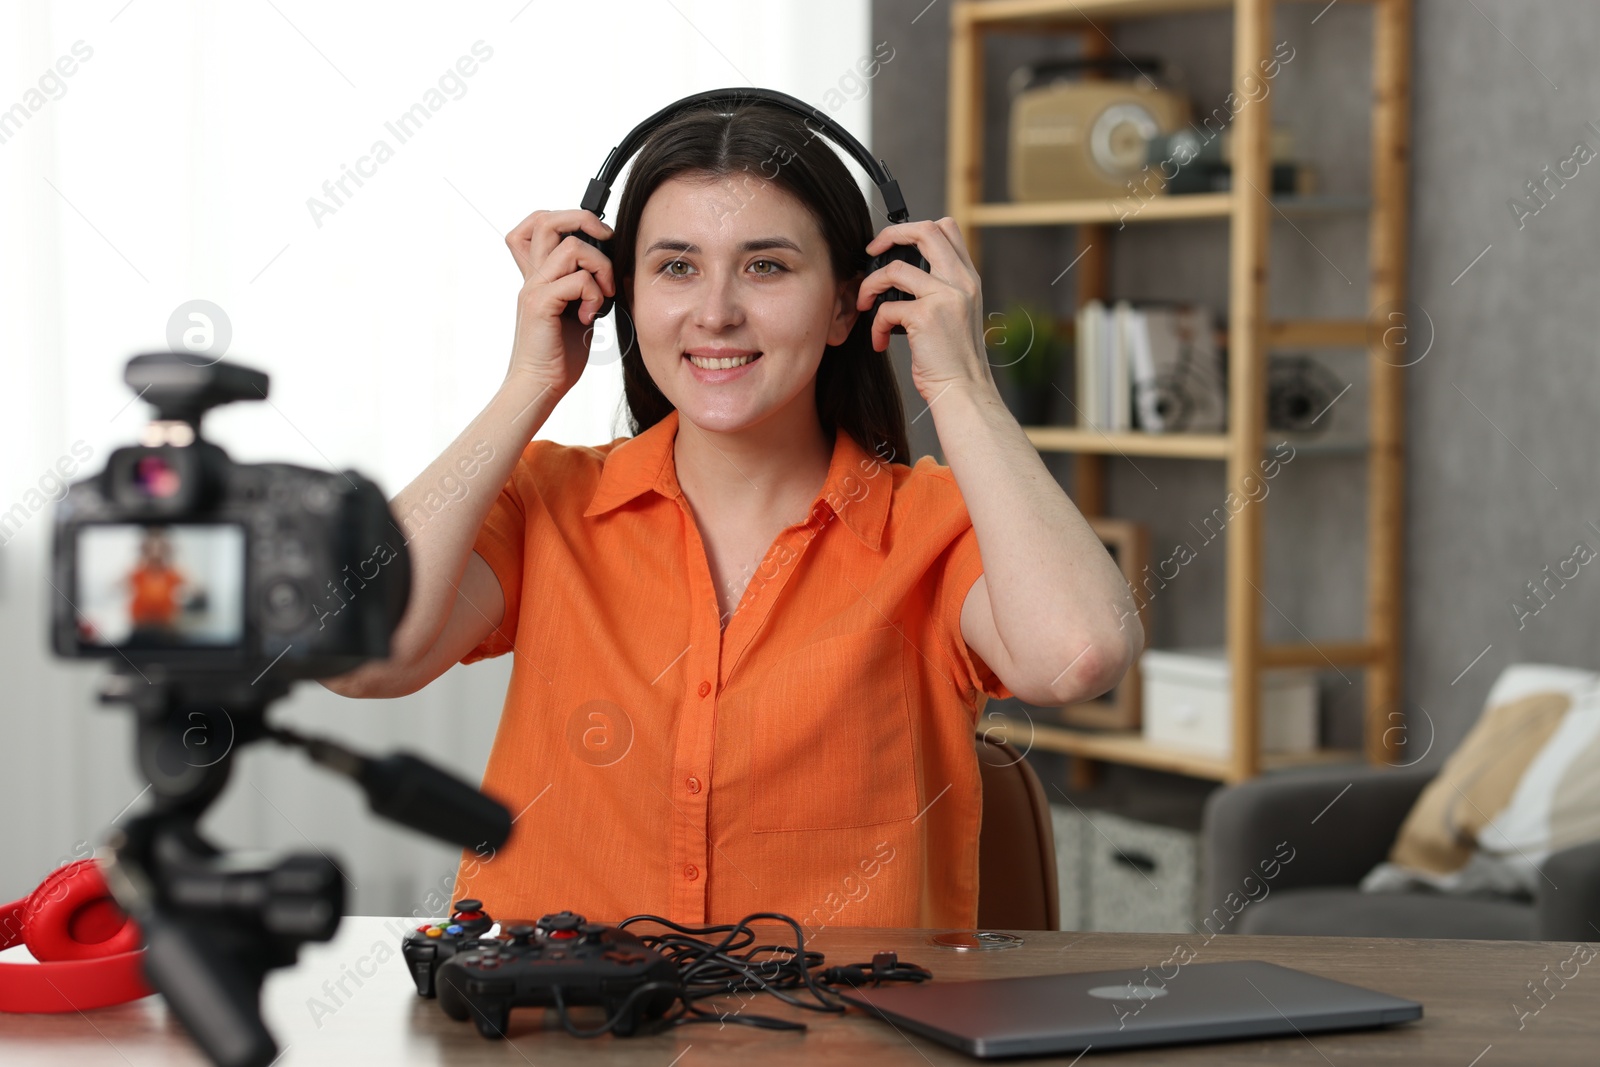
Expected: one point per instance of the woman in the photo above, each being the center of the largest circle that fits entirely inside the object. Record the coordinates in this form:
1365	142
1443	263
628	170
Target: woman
155	587
752	643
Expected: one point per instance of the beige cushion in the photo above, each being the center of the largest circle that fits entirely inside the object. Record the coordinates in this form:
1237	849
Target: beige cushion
1524	783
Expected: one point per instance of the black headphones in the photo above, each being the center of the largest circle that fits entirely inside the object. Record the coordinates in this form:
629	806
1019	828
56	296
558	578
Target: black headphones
599	191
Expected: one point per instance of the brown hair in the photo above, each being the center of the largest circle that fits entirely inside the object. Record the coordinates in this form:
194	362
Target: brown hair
856	389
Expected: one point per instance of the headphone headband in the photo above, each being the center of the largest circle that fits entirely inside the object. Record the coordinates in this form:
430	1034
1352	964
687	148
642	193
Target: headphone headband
599	191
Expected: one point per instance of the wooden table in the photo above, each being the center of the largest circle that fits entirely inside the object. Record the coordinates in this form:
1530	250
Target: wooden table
1478	1010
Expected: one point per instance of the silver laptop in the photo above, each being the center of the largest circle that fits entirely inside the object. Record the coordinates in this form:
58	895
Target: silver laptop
1127	1009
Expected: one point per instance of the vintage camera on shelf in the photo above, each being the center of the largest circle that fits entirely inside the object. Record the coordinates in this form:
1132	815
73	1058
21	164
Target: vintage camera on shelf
1200	160
210	587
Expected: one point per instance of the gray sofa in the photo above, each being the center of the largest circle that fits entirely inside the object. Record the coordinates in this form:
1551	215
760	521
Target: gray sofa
1248	829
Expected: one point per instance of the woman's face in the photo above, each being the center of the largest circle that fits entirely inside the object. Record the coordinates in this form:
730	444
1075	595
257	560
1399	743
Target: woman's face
734	267
155	549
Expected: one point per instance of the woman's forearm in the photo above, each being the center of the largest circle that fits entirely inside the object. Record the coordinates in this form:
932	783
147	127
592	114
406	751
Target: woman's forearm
1053	589
440	513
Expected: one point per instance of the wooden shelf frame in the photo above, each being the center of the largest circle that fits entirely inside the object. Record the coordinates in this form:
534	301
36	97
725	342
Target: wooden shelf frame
1053	15
1249	218
1129	747
1169	445
1161	208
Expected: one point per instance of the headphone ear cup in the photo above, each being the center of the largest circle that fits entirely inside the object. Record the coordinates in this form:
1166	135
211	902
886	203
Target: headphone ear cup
72	916
905	254
573	306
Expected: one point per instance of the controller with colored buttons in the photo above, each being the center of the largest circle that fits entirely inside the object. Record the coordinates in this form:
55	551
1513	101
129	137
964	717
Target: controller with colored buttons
557	962
432	943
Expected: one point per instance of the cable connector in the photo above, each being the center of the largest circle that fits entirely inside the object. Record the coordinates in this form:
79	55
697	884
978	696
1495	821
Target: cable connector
885	967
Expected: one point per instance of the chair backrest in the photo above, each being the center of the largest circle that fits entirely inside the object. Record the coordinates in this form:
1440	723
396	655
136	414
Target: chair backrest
1016	846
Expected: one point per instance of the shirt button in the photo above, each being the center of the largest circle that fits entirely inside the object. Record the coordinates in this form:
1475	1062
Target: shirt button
705	688
691	872
694	785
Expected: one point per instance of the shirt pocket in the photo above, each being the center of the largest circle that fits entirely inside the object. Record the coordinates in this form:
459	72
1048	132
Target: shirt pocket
833	744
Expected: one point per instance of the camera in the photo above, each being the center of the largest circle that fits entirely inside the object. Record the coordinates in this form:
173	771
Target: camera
174	555
211	587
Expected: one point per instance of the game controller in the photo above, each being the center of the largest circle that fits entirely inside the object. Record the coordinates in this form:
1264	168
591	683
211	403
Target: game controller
560	961
430	944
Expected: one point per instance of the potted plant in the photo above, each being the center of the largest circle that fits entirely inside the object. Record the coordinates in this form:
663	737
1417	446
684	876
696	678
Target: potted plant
1025	351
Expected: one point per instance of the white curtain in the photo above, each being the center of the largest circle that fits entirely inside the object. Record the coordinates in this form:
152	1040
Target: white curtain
154	153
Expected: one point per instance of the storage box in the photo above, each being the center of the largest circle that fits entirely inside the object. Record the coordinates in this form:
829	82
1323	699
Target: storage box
1188	703
1123	874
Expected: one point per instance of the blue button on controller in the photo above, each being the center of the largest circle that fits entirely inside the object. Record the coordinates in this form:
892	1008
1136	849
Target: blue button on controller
453	929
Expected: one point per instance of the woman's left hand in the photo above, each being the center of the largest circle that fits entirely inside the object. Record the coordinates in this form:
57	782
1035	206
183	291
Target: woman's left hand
944	321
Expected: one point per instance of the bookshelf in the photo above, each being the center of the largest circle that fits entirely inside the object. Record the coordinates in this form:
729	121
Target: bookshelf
1249	215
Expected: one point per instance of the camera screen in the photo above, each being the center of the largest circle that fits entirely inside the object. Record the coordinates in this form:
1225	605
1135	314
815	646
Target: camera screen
160	586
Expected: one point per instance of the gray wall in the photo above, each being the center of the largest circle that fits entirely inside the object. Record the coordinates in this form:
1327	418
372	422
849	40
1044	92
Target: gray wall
1500	412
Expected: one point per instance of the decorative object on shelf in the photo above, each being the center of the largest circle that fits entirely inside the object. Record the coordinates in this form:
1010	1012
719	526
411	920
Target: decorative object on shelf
1299	391
1072	137
1129	546
1025	350
1156	368
1188	705
1319	403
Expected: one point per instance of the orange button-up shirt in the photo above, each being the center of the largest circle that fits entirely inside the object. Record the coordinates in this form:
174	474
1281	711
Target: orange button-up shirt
155	600
814	758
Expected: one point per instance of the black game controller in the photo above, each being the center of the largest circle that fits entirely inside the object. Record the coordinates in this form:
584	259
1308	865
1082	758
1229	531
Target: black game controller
432	943
560	961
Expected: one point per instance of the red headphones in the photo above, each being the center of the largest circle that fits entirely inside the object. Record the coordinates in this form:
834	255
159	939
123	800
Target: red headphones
87	947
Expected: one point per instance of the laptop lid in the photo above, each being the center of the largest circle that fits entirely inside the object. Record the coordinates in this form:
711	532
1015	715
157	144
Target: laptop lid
1128	1009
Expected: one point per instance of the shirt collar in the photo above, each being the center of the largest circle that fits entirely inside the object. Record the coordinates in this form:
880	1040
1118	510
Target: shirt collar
857	487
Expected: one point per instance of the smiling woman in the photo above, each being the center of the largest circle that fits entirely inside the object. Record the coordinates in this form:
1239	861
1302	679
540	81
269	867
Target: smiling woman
701	745
743	303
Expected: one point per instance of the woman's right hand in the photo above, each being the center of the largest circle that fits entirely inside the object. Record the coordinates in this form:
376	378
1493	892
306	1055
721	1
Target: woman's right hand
550	349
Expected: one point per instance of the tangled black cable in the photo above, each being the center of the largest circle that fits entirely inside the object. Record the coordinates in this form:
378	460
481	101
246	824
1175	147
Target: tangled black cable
736	964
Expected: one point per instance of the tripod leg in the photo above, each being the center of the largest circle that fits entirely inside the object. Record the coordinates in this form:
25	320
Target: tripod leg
215	1000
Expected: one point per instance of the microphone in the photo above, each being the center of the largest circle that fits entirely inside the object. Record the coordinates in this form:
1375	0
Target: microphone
413	792
417	794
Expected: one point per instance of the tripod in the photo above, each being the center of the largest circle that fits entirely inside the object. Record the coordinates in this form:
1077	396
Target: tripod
214	925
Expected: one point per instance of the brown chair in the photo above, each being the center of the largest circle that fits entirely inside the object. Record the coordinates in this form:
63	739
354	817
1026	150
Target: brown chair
1016	846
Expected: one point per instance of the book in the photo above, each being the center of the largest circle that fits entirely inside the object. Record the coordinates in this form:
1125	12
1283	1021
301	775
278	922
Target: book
1142	370
1119	395
1090	317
